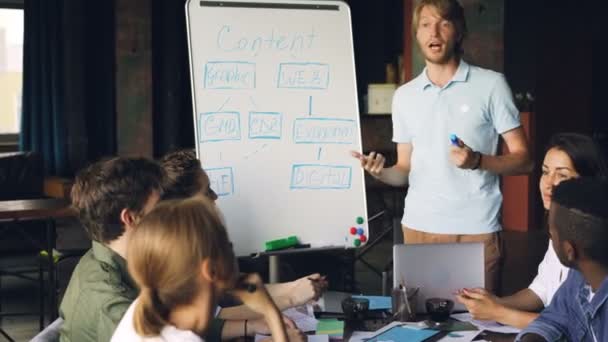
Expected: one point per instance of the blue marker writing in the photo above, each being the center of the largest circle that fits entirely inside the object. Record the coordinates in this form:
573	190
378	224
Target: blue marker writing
454	139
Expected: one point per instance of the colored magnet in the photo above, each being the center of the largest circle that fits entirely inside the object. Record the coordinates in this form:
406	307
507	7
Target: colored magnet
363	238
357	242
353	230
360	220
360	231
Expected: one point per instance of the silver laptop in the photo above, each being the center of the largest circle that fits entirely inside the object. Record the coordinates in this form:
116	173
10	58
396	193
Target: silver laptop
439	270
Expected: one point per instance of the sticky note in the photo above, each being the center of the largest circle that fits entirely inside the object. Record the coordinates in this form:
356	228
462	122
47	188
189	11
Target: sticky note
331	327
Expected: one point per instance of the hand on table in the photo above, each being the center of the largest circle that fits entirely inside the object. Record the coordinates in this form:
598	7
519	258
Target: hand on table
482	304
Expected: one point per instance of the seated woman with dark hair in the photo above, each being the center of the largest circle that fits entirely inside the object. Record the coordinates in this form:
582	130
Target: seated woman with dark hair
569	155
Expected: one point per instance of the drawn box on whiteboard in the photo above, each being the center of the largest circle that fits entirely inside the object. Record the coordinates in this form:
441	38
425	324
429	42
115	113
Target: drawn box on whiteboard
319	177
324	131
380	98
219	126
221	180
229	75
303	75
265	125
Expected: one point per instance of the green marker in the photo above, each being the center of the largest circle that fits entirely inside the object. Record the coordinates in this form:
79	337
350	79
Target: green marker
360	220
281	243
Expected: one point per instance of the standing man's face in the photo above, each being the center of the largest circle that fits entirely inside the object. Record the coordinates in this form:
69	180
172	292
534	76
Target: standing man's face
436	36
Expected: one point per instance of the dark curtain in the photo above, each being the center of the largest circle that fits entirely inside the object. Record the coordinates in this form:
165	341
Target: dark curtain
172	98
43	125
69	113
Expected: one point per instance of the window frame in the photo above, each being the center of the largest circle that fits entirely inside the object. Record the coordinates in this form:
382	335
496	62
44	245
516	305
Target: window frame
9	142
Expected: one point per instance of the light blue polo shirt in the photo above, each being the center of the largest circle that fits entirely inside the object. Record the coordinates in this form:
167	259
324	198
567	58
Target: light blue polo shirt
477	106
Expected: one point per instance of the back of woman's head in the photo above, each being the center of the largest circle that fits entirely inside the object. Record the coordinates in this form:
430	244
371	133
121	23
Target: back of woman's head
165	252
584	153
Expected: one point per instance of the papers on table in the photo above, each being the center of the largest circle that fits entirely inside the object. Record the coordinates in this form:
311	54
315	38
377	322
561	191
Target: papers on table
398	331
486	325
303	316
454	336
311	338
460	336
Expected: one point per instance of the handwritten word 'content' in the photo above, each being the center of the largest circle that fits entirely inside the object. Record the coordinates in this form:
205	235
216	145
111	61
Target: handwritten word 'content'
229	75
230	39
219	126
314	176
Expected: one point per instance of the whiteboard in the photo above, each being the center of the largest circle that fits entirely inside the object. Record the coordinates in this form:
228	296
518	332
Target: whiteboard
276	114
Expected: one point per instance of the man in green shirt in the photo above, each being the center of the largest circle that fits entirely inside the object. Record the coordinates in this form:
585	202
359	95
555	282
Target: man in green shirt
110	197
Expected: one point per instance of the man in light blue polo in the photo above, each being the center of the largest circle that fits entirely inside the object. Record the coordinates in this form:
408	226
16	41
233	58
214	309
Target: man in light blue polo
454	193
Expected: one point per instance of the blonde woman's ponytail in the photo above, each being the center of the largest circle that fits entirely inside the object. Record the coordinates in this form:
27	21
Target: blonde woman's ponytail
150	315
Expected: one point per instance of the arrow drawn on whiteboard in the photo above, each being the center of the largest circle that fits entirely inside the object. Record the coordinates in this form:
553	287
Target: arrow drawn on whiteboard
310	105
255	152
222	106
252	101
319	154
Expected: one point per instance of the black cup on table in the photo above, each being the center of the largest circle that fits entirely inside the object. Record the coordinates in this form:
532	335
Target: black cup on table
439	309
355	307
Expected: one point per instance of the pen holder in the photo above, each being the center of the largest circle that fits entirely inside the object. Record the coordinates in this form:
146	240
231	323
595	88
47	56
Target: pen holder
402	311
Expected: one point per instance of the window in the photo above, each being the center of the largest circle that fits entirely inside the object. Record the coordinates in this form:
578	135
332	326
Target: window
11	70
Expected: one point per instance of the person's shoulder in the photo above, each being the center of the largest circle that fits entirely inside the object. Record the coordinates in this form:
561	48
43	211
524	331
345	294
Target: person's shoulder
413	86
575	280
478	73
125	330
172	334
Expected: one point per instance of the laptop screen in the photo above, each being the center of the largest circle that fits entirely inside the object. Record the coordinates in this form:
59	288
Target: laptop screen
438	270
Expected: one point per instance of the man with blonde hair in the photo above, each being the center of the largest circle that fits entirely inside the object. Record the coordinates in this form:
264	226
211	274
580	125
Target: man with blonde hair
446	124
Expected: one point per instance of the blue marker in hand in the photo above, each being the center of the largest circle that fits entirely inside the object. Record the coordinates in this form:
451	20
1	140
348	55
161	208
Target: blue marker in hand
454	139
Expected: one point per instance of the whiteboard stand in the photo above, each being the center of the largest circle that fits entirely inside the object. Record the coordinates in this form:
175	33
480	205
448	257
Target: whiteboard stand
274	259
274	275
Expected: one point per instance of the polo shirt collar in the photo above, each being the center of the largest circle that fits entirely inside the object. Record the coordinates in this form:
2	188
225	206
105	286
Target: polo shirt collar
107	256
461	75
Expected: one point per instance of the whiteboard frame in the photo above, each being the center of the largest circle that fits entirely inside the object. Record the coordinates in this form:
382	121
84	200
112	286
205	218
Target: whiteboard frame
286	4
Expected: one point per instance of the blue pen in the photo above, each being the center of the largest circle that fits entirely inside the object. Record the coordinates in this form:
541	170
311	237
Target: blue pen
454	139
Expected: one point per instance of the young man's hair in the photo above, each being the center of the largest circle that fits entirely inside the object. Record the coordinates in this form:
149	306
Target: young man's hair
183	171
165	253
450	10
102	190
582	217
584	153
